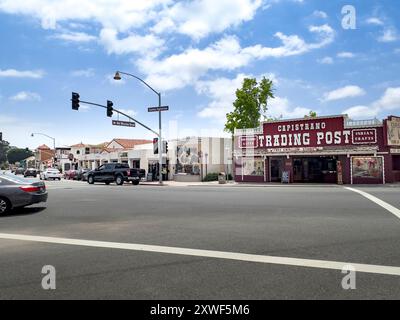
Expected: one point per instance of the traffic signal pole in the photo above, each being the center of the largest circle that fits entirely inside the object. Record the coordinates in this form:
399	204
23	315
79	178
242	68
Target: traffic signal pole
123	114
160	150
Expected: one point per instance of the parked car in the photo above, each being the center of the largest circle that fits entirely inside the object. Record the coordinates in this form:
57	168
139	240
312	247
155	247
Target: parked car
19	171
50	174
114	172
30	172
70	174
18	192
81	174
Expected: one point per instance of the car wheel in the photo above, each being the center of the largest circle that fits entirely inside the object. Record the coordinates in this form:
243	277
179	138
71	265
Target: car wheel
136	182
5	206
90	180
119	180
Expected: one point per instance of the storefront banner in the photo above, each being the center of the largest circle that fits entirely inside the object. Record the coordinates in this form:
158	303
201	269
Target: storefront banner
307	133
393	131
364	136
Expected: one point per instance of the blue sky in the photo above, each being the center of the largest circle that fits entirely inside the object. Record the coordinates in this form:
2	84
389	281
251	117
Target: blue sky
196	53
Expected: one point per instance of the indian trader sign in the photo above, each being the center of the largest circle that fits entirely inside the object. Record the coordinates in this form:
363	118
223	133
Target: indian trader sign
308	133
393	131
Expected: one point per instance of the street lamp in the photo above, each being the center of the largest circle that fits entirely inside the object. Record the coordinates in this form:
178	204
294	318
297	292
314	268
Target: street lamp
118	77
54	141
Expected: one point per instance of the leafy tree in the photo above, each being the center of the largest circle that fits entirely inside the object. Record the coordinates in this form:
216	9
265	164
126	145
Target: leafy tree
251	102
16	154
4	147
311	114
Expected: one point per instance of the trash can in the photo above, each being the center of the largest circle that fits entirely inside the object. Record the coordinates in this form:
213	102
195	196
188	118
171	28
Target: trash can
222	178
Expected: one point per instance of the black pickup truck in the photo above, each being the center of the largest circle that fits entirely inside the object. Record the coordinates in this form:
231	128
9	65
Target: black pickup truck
115	172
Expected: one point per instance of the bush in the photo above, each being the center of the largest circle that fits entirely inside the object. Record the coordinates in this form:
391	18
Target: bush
211	177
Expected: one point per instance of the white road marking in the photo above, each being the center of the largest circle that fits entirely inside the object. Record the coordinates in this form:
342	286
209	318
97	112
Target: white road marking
321	264
378	201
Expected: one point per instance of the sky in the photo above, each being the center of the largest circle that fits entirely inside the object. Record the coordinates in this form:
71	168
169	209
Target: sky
321	55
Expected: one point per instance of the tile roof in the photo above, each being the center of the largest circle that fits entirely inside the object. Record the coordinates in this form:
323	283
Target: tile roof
131	143
43	147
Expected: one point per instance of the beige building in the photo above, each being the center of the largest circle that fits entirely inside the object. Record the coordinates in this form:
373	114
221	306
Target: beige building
189	159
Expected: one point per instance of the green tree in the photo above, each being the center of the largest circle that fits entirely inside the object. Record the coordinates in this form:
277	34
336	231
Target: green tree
16	154
311	114
250	104
4	147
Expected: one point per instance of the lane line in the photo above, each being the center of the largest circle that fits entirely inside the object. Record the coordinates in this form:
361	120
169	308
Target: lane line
378	201
321	264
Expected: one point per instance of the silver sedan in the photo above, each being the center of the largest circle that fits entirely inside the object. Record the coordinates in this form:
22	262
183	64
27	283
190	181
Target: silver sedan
16	192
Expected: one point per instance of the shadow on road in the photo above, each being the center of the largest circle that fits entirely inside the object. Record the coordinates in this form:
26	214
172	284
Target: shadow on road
23	212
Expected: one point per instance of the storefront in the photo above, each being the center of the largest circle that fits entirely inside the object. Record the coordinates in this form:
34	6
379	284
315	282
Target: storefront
331	149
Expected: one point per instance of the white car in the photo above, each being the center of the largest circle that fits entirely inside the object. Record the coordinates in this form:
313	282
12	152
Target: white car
50	174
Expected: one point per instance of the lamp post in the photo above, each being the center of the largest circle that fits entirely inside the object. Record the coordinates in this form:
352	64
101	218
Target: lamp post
54	142
160	151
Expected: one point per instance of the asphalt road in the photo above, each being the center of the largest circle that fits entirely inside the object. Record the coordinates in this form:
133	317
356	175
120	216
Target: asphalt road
313	222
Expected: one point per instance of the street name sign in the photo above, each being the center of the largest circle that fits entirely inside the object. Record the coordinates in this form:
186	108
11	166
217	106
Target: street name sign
159	109
124	124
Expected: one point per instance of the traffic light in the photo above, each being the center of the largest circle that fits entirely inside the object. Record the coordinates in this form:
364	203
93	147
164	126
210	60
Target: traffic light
110	109
155	145
165	147
75	101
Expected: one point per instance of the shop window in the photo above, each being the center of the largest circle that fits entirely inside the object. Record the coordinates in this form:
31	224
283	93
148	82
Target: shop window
367	167
253	167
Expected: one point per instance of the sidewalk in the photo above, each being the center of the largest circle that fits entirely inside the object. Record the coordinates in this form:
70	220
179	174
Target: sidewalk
232	184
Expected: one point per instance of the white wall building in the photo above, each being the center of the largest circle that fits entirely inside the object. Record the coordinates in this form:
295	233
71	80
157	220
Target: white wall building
189	159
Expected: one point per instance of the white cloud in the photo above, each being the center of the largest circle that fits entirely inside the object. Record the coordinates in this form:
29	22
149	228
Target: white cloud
179	70
282	107
361	112
118	14
343	93
320	14
130	44
345	55
26	96
389	101
222	91
194	18
74	36
87	73
326	60
12	73
375	21
389	35
199	18
294	45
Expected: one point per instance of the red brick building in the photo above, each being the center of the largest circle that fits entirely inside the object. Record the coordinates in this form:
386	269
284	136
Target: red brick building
332	149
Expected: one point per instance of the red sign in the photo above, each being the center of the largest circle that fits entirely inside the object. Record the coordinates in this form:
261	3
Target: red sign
364	136
308	133
250	142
